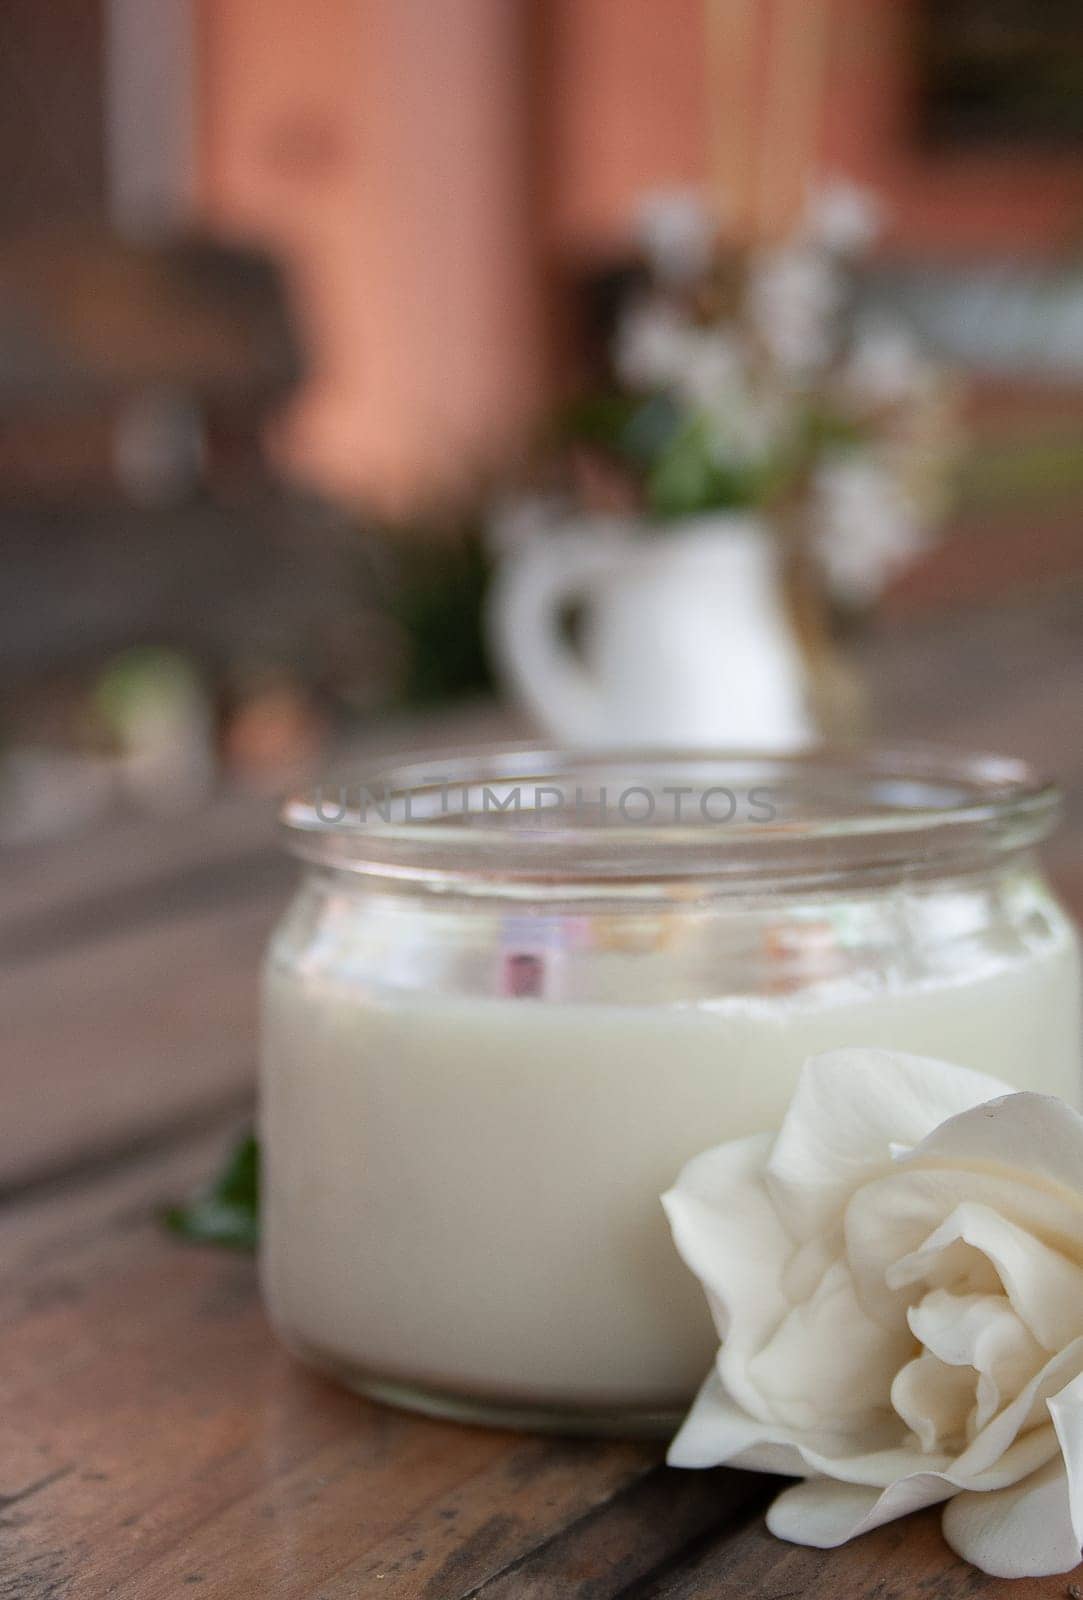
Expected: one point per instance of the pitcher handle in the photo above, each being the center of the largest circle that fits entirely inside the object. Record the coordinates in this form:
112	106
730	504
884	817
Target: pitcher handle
531	588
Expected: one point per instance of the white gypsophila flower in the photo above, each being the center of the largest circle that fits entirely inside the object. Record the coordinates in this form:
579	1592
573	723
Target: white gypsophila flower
756	429
794	294
844	217
652	344
676	233
705	369
864	528
885	366
897	1281
747	419
712	371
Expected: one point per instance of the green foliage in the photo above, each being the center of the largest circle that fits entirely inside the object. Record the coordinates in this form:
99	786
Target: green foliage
631	428
597	419
673	454
828	430
146	680
227	1213
689	477
438	601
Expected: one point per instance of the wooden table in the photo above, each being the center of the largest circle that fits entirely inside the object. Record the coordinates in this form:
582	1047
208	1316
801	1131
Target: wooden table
154	1440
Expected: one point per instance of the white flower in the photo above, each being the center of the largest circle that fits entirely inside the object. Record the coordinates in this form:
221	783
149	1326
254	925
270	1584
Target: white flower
712	373
844	217
794	295
677	234
651	348
705	368
885	366
897	1279
864	527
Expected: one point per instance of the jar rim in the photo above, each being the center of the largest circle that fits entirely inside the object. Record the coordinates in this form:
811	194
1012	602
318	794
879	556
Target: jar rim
804	818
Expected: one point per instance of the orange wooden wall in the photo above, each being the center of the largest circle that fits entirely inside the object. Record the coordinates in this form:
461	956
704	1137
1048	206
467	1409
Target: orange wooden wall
421	164
376	146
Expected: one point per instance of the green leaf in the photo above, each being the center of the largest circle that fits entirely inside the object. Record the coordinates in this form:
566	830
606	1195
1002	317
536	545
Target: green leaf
596	419
828	430
635	429
650	430
439	605
688	478
227	1213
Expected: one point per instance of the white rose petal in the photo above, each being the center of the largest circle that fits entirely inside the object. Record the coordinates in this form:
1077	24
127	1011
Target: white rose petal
1025	1531
826	1514
1066	1410
740	1266
983	1333
1032	1134
934	1400
717	1429
985	1462
848	1108
798	1372
1045	1288
897	1278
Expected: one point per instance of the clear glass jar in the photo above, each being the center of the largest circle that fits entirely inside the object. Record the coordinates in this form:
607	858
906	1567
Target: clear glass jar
516	992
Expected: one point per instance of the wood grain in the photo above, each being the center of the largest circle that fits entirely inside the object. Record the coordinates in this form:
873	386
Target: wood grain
155	1442
155	1436
906	1560
129	1035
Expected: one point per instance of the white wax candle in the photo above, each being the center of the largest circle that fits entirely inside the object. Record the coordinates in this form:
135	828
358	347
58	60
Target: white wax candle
463	1193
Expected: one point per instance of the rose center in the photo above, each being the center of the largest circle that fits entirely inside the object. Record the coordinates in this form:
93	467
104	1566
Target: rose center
975	1355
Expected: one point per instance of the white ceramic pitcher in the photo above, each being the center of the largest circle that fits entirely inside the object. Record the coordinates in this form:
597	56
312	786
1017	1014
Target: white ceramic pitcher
685	637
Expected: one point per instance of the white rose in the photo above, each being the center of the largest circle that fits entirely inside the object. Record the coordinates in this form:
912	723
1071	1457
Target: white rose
897	1279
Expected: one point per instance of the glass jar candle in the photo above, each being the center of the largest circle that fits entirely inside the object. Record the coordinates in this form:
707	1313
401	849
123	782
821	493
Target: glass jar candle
515	993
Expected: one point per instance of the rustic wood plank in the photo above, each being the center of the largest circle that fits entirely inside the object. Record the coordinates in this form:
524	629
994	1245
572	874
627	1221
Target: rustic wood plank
129	968
984	559
156	1436
350	1522
118	1041
155	1439
38	936
52	881
1005	678
498	1534
625	1547
906	1560
134	858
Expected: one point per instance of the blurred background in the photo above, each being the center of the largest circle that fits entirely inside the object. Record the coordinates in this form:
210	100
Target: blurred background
302	309
333	335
